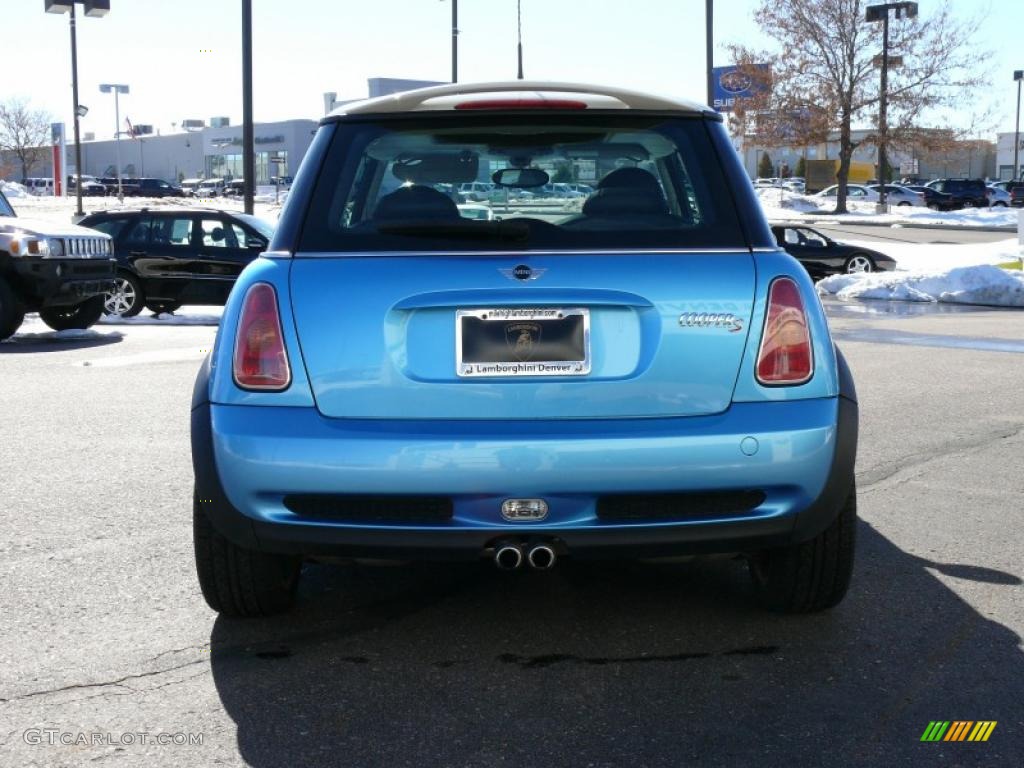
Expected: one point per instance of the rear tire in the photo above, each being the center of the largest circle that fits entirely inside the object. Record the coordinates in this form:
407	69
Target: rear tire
12	311
241	582
813	575
79	316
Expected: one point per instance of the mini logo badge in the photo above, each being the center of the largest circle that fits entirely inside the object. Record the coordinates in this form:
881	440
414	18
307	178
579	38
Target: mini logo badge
522	272
522	338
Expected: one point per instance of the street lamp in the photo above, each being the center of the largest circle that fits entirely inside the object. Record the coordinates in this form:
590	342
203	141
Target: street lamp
92	8
117	89
881	13
1018	75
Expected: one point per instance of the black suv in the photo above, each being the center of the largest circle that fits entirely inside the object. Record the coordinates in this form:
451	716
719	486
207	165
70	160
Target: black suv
58	270
172	256
966	193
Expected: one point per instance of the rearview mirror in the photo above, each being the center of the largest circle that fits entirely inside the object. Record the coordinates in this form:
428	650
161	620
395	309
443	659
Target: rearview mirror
521	178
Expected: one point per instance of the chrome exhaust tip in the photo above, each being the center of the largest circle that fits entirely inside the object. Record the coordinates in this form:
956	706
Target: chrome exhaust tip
508	557
541	557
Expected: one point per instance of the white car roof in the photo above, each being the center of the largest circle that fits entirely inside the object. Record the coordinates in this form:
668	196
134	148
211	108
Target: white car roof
446	97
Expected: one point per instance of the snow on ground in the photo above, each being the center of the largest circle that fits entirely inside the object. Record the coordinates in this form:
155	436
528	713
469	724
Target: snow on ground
13	189
783	205
986	285
61	209
189	315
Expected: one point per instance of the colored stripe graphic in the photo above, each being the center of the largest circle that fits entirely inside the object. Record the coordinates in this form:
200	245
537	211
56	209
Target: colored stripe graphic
958	730
935	730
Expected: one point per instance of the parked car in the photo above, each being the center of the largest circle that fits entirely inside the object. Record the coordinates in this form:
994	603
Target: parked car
937	201
898	195
476	211
172	256
476	191
795	185
189	186
234	188
998	197
966	193
38	186
1016	190
149	187
854	192
210	188
650	376
91	187
58	270
822	256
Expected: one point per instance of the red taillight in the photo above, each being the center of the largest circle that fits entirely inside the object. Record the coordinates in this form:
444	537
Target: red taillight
260	359
785	355
522	104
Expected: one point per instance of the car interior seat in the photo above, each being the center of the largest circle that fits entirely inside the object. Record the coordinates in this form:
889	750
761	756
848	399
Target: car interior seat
415	203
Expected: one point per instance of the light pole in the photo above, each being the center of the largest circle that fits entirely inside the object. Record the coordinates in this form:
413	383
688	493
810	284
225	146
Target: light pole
881	13
1018	75
92	8
455	40
248	132
116	89
519	28
709	33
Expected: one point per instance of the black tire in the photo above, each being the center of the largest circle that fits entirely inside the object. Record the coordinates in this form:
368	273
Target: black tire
901	204
163	307
12	311
130	294
813	575
78	316
241	582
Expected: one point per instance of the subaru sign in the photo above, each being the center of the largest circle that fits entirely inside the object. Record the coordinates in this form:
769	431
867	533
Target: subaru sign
732	83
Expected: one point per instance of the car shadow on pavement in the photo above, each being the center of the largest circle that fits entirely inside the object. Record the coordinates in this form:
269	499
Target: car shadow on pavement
620	664
57	341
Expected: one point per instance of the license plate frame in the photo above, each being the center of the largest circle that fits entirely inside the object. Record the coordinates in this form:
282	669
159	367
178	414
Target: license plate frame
519	361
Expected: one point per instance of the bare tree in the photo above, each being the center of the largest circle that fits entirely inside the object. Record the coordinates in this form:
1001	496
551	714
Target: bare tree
825	76
24	132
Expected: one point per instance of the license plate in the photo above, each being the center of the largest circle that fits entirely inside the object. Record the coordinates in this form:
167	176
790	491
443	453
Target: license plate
522	341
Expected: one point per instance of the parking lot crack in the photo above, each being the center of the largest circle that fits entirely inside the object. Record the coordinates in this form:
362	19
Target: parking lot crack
118	683
919	461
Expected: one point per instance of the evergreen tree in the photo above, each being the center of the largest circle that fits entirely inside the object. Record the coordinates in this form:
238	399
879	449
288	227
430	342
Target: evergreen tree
765	169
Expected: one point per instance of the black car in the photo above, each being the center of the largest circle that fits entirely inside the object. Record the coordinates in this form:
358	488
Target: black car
172	256
966	193
152	188
823	256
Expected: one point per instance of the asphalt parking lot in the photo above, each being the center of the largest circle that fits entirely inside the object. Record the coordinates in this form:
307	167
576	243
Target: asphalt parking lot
105	635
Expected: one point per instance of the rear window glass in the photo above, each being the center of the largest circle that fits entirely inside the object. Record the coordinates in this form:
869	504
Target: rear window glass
594	181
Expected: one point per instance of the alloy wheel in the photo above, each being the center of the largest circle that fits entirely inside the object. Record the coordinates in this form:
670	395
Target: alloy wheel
121	299
859	264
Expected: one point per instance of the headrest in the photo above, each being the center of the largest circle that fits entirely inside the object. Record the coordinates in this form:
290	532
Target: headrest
416	202
623	202
634	178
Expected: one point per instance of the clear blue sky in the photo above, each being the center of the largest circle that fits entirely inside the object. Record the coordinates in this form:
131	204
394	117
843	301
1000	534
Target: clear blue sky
182	57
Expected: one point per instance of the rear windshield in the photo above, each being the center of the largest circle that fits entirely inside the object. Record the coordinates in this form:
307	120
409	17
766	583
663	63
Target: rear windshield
593	181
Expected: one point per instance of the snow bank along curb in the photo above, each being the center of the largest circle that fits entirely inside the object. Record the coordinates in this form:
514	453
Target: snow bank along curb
984	285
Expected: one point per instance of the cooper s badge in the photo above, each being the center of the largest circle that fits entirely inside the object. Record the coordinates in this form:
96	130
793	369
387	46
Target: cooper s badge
728	321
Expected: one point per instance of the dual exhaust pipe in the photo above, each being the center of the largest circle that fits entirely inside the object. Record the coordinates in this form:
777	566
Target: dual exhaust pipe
510	556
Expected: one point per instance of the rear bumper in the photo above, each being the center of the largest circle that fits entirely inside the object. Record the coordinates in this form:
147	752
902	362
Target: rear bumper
247	459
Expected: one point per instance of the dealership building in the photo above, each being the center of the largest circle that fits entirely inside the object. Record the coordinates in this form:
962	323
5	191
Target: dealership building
207	150
1004	155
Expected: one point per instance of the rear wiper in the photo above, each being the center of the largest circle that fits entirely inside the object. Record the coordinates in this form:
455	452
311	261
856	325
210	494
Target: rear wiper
496	230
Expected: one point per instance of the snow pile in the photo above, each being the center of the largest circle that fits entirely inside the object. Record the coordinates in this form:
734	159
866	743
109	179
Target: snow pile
989	217
207	315
985	284
932	257
12	189
780	199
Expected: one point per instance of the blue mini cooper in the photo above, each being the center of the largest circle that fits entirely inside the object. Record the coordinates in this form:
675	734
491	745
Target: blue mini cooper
638	371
